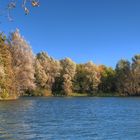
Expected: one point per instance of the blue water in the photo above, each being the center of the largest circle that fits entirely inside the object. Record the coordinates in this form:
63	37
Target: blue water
81	118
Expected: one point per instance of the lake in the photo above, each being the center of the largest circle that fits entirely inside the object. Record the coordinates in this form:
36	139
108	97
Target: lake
70	118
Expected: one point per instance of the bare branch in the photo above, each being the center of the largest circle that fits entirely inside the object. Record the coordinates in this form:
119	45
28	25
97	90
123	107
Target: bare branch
13	4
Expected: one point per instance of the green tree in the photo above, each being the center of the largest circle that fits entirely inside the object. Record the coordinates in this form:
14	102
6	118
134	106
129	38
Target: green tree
136	74
80	81
87	78
123	75
108	79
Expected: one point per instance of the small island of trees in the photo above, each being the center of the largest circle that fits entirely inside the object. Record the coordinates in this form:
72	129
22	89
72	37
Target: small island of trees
23	73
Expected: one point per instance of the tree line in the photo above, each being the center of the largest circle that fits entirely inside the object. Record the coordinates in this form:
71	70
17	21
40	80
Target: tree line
24	73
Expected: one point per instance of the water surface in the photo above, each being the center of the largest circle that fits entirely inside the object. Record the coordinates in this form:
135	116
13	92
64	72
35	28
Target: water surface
81	118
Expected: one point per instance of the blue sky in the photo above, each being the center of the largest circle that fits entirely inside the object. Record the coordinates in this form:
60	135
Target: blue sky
103	31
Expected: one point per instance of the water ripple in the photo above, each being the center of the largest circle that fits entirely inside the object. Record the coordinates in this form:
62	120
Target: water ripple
70	119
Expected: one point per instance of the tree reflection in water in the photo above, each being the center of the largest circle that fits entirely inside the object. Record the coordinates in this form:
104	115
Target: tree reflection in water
13	123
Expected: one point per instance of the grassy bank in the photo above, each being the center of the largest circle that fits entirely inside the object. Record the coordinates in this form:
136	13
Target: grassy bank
40	92
95	94
10	98
47	93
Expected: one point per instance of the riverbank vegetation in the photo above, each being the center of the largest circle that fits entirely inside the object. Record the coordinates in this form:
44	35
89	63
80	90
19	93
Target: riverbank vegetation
24	73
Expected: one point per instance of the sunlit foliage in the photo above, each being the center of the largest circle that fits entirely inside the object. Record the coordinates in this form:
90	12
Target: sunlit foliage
87	78
7	77
23	73
23	62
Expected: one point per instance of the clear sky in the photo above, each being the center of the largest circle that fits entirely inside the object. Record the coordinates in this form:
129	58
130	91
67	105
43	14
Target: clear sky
103	31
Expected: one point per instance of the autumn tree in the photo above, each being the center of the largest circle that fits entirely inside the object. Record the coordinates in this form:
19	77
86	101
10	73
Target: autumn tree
23	62
47	69
40	75
7	77
64	83
22	72
93	76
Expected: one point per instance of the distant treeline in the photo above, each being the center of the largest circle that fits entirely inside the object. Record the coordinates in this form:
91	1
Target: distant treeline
23	73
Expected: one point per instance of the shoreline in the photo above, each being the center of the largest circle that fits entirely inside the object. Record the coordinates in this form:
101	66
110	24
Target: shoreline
9	98
71	95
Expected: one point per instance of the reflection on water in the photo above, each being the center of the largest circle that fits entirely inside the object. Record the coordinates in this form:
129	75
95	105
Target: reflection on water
70	118
12	114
